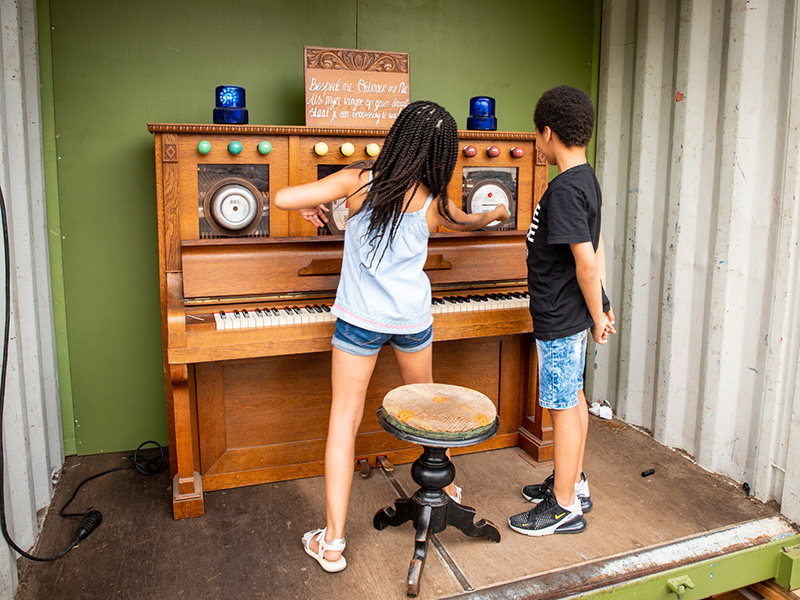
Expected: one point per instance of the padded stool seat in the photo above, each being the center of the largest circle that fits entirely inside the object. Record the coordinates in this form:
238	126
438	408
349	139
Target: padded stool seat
436	416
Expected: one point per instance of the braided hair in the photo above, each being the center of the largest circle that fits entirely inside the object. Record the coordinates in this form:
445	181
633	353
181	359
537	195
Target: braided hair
421	147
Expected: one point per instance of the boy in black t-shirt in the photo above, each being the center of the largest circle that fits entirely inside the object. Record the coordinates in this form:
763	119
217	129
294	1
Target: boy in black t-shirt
566	274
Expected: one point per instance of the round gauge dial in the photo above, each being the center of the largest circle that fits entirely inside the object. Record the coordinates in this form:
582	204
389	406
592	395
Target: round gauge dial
233	207
337	218
485	196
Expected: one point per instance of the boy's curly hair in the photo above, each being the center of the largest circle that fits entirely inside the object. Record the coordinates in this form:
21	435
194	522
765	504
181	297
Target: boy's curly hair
568	112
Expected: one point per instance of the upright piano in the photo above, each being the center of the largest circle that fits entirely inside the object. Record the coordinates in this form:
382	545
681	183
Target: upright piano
246	291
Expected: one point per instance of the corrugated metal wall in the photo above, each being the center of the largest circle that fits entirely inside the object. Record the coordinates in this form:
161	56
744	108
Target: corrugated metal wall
699	160
32	427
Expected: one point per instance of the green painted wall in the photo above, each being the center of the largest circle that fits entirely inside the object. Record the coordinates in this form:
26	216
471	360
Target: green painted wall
119	65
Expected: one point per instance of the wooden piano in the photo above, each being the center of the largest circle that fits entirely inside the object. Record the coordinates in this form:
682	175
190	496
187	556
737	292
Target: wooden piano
246	288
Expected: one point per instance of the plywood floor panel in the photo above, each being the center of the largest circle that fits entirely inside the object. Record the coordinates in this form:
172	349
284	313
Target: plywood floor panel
247	544
630	512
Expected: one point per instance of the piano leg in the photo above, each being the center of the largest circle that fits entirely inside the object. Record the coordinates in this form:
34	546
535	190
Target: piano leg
187	485
536	432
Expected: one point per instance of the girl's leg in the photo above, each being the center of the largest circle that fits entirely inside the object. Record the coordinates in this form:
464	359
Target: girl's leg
417	367
350	375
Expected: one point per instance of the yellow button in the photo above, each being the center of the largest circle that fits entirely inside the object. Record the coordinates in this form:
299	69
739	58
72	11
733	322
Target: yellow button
347	149
372	149
320	148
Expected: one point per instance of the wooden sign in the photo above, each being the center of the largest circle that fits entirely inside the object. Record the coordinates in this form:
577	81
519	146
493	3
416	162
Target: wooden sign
355	88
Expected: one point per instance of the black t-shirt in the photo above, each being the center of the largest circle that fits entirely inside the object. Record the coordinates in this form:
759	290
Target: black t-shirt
568	213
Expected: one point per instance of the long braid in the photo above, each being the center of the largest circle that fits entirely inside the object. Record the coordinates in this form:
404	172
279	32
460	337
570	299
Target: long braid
421	147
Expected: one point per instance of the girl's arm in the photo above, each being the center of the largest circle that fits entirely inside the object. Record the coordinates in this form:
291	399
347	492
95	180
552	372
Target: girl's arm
466	222
311	195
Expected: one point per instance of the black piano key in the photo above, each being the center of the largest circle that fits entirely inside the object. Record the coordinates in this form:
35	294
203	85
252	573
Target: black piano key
326	308
222	315
317	308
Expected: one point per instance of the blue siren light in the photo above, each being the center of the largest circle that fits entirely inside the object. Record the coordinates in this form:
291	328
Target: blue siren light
481	111
230	105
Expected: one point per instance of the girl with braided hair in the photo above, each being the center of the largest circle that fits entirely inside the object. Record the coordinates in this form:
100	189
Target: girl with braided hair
383	294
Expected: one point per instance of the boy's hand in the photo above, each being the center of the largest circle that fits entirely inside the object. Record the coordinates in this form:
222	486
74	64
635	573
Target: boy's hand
610	317
601	329
315	216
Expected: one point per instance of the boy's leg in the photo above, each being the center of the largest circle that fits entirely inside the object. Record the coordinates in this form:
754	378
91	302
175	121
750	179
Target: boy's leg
568	445
561	364
350	375
584	415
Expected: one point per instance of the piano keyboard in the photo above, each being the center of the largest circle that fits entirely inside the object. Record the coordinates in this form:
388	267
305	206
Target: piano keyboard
321	313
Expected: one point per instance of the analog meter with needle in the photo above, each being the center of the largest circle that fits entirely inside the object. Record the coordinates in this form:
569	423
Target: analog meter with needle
486	195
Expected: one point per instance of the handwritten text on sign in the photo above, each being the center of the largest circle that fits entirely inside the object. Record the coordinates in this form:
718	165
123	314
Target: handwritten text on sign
354	88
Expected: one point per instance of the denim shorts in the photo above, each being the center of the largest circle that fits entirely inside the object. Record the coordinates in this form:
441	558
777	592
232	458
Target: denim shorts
561	364
363	342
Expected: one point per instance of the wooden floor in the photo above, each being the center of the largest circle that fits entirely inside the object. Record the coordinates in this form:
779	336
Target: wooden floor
248	543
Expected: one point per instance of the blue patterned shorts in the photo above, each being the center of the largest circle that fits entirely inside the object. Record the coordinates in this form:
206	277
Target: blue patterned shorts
561	364
363	342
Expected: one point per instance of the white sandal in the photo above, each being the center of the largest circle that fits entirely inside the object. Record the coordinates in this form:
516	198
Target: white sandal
331	566
457	497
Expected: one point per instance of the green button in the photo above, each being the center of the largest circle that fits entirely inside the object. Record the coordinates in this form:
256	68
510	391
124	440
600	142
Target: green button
235	147
264	147
204	147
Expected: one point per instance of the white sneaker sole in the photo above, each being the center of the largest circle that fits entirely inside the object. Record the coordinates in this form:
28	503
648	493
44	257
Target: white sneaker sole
574	527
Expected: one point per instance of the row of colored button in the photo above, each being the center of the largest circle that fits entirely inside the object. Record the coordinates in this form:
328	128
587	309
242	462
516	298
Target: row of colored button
493	151
235	147
347	149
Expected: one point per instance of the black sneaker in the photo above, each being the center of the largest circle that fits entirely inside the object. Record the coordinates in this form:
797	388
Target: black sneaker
547	517
536	493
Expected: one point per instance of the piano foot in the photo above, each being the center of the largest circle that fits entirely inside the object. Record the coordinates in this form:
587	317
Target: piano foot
187	497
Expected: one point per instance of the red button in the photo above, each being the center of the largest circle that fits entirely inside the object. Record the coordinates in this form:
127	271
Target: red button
493	151
470	151
517	152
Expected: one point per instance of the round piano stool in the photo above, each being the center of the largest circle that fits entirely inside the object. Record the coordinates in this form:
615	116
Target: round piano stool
437	417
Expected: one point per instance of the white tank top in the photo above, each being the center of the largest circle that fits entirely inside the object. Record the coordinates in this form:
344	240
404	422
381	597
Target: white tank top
386	292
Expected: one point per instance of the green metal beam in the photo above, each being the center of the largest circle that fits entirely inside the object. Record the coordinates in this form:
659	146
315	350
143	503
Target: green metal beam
788	575
778	559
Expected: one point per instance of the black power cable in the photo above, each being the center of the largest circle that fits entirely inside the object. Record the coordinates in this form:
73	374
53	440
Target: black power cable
91	519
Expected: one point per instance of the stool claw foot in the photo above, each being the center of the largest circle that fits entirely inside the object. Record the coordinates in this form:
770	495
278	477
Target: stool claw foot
462	517
402	511
420	550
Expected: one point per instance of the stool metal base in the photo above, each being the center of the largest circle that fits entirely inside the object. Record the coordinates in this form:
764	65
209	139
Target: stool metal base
430	508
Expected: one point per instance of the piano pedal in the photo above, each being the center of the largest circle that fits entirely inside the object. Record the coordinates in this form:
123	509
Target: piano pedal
384	462
363	465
